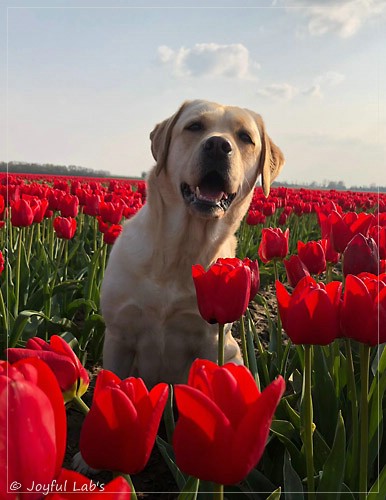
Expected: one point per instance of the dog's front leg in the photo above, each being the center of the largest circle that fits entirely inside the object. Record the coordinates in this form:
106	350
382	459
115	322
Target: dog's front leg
118	356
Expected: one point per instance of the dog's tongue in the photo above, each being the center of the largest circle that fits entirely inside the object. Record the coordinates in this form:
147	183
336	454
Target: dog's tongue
209	194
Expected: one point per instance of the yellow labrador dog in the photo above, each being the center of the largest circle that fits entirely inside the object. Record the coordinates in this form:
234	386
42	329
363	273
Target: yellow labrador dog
208	158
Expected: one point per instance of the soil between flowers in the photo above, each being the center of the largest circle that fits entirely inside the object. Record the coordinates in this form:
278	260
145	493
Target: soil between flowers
156	480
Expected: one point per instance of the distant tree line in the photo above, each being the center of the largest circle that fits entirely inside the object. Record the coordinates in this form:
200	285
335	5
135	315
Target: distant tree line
327	185
15	167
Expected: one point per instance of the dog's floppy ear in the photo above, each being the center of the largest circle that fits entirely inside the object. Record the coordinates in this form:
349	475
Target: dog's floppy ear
271	158
160	138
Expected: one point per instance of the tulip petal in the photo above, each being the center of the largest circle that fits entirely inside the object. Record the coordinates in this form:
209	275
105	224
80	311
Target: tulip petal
37	372
283	300
357	304
203	431
65	371
250	439
105	379
72	485
26	424
111	436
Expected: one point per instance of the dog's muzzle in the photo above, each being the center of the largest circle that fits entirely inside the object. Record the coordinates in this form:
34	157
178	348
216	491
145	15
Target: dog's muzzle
212	195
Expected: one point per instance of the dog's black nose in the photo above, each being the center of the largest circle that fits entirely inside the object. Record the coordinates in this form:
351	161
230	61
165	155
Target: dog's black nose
217	147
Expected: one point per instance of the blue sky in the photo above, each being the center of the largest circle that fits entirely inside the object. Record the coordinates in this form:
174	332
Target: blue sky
86	81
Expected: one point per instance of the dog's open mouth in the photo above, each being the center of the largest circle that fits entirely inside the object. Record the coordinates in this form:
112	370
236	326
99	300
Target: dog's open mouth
209	195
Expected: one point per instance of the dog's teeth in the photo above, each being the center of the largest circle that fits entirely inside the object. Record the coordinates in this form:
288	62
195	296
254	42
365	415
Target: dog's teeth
197	192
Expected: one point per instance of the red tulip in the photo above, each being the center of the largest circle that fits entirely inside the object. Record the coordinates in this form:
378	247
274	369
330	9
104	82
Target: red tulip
274	244
378	233
32	426
268	208
255	217
313	256
296	270
344	228
360	255
363	316
311	314
69	206
284	215
119	432
92	202
223	422
223	291
69	371
331	255
38	206
22	214
74	486
1	262
254	268
111	212
112	233
255	276
65	227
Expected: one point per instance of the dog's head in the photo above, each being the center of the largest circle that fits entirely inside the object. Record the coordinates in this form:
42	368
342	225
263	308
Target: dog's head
213	155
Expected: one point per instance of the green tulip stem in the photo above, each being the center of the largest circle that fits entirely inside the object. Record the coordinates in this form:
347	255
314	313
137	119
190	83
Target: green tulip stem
30	240
352	396
128	479
4	320
169	416
260	348
103	261
244	342
17	271
364	420
278	326
307	437
218	491
58	258
81	405
220	344
95	230
328	272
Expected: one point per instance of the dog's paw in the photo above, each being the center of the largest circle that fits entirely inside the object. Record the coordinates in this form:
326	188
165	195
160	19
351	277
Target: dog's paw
79	465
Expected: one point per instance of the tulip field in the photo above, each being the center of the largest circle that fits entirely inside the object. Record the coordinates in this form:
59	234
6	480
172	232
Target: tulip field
304	416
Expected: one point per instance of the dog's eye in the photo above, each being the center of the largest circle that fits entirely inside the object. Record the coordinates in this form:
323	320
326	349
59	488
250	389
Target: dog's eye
245	137
194	127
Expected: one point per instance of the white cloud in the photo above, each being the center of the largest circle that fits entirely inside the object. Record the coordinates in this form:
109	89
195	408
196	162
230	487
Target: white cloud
344	17
281	91
286	91
326	80
209	59
330	78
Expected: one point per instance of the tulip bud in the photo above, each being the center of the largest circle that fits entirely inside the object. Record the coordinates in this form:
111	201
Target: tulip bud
296	270
361	255
313	256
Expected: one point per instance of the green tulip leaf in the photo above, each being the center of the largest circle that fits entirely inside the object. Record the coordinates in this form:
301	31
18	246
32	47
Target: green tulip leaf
20	323
190	490
167	453
81	303
283	427
256	482
333	471
378	489
293	487
324	397
275	494
293	415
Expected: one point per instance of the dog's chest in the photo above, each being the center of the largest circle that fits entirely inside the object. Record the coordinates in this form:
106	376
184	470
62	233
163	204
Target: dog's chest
166	301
